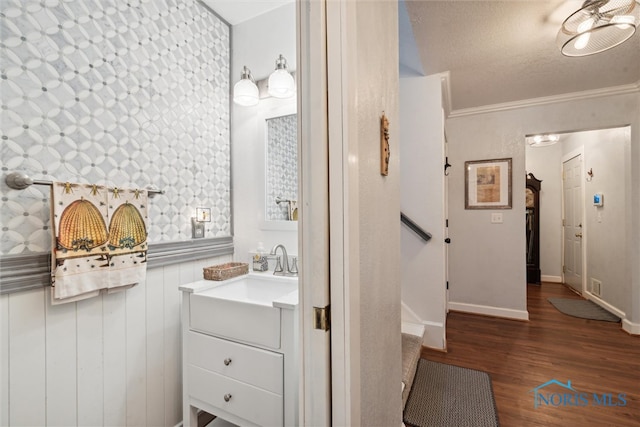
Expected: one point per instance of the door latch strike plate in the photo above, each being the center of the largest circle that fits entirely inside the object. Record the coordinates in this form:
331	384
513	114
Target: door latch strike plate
322	318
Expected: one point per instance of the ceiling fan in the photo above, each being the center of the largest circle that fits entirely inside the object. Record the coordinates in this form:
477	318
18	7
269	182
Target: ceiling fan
597	26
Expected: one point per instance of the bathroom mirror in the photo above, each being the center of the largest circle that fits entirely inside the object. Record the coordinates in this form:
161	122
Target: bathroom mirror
281	169
281	198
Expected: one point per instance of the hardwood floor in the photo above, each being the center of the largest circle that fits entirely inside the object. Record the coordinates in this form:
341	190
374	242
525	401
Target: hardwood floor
597	357
204	418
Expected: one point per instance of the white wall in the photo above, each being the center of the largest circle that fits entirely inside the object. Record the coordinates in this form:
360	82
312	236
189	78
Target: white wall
422	200
606	152
546	164
487	261
257	43
110	360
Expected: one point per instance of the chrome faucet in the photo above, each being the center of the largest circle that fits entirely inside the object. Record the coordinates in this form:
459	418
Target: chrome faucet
281	269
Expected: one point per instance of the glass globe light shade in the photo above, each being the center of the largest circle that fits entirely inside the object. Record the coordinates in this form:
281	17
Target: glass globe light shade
281	84
245	91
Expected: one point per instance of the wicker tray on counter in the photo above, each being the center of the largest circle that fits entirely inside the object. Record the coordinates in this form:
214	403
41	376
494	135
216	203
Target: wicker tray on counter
226	271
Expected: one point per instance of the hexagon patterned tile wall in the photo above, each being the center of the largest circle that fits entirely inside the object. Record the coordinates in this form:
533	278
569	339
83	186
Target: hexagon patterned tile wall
126	93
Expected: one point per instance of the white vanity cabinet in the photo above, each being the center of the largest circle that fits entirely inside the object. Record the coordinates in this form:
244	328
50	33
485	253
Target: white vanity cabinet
245	377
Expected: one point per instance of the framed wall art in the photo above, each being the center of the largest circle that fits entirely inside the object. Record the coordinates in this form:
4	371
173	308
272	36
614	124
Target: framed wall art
487	184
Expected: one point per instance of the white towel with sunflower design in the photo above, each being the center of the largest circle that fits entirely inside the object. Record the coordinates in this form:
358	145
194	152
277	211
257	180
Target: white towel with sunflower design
99	240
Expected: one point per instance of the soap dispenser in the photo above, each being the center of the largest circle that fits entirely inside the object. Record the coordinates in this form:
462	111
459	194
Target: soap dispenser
260	262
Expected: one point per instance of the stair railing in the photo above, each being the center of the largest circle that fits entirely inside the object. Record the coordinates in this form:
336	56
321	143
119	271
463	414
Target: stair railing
415	227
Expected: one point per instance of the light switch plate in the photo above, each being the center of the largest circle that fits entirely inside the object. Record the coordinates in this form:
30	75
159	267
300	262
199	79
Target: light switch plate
197	229
496	218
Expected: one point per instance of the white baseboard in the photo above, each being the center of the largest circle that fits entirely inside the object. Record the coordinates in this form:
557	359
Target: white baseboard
630	327
487	310
602	303
552	279
627	326
434	335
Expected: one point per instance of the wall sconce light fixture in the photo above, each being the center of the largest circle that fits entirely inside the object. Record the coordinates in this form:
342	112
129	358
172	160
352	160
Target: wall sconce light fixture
245	91
281	84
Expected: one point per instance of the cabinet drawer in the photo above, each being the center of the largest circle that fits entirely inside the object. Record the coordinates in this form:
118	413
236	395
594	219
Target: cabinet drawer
250	323
251	403
261	368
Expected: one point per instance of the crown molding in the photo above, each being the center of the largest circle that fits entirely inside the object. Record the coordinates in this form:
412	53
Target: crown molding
535	102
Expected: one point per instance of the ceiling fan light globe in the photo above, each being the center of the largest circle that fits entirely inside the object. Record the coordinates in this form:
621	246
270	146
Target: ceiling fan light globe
600	25
624	21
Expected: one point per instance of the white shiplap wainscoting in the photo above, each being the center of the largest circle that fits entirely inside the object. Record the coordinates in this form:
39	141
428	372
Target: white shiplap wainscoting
111	360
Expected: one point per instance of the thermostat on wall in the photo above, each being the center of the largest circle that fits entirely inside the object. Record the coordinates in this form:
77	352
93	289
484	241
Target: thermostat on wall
598	199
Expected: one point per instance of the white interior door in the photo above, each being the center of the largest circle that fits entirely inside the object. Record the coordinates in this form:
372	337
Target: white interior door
315	385
573	221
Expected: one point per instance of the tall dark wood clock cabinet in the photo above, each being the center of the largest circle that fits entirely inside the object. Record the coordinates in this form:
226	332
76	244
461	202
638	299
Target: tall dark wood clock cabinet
533	228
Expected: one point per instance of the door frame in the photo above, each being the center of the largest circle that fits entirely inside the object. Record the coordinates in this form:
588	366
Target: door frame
445	192
343	217
315	396
566	157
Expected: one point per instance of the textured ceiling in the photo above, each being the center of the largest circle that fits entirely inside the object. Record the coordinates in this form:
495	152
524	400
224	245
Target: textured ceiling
495	51
505	51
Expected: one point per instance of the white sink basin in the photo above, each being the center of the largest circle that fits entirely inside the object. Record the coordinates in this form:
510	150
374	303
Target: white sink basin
254	289
245	308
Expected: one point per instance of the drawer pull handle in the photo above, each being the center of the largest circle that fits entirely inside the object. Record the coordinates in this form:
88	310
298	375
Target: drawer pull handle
227	397
227	361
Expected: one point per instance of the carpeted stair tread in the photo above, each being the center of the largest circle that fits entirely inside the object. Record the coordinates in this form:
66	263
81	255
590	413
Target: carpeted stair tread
411	347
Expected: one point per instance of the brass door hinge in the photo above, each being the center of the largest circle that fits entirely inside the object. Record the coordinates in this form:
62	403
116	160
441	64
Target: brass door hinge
564	269
322	318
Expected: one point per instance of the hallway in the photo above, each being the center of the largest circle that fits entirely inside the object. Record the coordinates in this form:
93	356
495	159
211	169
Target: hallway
597	357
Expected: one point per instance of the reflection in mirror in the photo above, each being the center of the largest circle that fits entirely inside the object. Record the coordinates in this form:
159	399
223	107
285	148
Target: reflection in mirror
281	198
